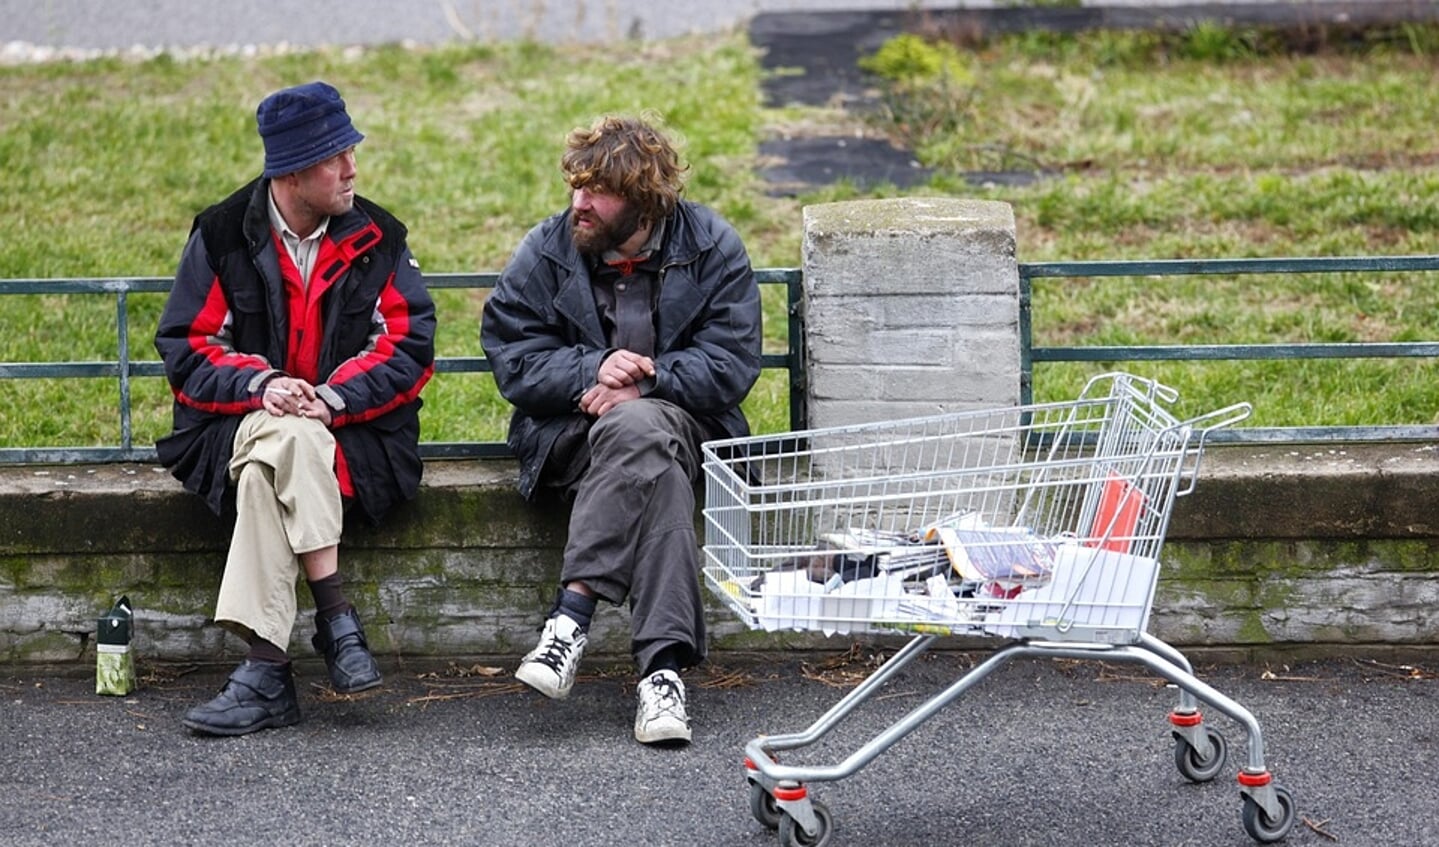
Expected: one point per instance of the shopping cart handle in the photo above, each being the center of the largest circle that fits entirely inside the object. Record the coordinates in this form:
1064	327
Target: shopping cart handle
1220	418
1137	386
1205	424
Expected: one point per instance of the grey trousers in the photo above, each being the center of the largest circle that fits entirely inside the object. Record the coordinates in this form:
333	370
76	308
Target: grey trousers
632	526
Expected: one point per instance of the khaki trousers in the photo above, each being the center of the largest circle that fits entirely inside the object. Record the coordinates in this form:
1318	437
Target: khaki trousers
288	503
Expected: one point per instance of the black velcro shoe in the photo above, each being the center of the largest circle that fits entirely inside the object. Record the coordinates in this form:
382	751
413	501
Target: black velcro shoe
341	641
258	695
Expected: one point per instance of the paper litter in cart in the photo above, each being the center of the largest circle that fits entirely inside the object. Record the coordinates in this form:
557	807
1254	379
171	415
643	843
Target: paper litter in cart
1001	581
1008	558
1096	595
845	529
949	576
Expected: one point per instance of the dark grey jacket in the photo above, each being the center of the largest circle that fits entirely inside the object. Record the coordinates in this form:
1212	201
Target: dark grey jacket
543	336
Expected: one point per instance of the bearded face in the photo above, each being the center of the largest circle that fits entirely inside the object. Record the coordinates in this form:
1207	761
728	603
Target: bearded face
601	221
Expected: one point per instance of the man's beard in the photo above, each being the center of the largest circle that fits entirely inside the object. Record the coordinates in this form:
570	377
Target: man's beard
604	235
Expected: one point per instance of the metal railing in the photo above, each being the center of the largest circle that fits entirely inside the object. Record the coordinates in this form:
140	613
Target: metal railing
125	368
1030	354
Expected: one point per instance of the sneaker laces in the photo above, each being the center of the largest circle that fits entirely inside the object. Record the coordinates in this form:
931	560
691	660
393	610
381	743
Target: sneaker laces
554	651
664	695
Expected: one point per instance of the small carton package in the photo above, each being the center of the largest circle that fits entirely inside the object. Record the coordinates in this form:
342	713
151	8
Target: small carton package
114	663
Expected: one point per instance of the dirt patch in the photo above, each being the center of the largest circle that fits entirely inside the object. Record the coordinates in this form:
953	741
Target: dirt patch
796	164
812	60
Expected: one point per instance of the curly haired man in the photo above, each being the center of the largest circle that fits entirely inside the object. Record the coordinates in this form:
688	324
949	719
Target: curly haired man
626	331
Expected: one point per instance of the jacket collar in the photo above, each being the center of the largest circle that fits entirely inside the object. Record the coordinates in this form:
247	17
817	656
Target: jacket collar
678	303
683	240
343	229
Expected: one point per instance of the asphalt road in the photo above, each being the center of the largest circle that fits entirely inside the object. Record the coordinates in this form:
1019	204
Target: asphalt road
108	25
1041	753
183	24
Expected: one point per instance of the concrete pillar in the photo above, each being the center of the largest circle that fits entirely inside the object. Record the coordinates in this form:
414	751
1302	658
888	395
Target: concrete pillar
911	308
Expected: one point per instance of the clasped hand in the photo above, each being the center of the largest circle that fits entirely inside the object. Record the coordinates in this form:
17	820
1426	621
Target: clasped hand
616	382
287	395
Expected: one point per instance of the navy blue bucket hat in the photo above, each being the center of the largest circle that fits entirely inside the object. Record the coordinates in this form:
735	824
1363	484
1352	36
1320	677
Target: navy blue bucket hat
304	125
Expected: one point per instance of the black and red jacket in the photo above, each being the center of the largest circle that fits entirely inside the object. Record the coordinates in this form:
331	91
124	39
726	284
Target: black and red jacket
364	336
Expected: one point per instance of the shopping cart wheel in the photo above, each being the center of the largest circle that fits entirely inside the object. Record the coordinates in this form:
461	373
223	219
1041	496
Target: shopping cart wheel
1195	767
1263	828
763	806
791	834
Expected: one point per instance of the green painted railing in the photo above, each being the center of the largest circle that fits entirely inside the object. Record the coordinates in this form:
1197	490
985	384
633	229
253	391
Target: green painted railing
126	367
1031	355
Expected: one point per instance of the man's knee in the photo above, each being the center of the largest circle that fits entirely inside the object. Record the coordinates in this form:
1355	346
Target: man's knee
630	427
306	434
274	451
632	417
287	436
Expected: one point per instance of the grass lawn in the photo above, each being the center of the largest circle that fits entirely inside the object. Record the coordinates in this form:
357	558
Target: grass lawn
1158	151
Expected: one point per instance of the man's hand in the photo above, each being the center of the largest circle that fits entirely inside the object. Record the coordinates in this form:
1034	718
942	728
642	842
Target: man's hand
287	395
601	398
622	368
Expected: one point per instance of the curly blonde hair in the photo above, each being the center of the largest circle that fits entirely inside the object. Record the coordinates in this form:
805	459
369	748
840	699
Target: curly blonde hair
627	157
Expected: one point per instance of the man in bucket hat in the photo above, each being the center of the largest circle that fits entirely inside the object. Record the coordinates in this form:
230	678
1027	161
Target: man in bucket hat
296	340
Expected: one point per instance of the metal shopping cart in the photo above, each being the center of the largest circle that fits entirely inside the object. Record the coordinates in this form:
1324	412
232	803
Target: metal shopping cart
1038	524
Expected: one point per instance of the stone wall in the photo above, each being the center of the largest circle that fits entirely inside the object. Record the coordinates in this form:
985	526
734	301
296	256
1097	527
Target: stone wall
1285	547
1278	551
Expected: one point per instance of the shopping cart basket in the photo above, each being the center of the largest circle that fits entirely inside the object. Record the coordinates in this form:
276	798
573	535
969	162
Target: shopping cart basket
1039	524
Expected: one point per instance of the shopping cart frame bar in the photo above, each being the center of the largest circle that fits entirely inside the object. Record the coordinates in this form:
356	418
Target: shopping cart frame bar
761	753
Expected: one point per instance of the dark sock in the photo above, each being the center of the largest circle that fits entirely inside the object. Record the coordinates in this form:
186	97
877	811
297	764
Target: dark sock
263	651
329	596
667	659
576	606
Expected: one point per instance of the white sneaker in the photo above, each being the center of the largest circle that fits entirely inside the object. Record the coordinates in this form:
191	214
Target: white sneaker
661	716
550	667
